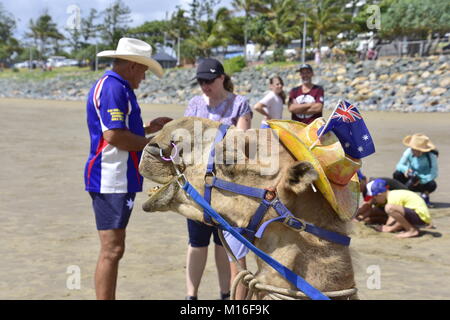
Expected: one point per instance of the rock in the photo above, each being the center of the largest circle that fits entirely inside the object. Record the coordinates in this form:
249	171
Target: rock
445	83
438	91
425	75
341	71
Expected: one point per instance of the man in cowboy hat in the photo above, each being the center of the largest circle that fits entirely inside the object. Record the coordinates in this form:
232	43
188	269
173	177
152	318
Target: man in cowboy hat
117	139
306	101
418	167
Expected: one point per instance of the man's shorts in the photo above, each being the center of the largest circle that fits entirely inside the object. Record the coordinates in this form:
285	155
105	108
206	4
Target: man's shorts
112	210
200	234
413	218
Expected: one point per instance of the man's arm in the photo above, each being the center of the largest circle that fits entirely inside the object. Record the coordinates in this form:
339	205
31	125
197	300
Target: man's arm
306	108
124	139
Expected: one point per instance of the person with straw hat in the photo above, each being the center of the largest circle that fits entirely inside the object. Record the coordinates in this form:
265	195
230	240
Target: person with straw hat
117	138
418	166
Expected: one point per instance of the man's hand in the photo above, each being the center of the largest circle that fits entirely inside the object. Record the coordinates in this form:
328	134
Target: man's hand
156	124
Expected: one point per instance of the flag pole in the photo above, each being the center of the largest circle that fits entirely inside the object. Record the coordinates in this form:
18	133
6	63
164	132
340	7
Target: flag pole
326	125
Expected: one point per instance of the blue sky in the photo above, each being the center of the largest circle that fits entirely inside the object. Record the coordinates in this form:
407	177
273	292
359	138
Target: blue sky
141	10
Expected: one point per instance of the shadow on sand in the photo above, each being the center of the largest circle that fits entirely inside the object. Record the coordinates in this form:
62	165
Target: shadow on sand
440	205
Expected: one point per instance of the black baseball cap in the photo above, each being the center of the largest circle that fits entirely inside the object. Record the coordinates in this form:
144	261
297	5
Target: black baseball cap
305	66
209	69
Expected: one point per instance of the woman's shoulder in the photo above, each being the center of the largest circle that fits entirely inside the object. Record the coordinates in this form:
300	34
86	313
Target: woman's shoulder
239	99
197	100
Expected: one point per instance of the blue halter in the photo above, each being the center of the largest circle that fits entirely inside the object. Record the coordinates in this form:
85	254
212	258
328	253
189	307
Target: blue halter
268	200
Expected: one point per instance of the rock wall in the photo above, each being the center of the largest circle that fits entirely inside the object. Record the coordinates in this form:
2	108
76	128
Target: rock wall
396	84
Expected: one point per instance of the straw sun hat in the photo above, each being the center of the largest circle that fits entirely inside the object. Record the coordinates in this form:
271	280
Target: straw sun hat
419	141
134	50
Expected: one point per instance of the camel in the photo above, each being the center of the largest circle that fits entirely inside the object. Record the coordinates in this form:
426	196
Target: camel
325	265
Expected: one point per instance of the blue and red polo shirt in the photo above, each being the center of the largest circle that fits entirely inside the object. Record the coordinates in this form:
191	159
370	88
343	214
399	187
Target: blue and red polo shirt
112	104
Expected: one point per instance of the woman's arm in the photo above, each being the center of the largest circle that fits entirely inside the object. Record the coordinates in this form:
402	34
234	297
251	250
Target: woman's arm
403	164
244	122
260	108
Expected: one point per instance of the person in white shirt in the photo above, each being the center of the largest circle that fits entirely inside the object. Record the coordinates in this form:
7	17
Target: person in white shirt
271	106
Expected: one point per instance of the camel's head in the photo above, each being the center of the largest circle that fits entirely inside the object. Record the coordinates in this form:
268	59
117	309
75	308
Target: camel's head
252	158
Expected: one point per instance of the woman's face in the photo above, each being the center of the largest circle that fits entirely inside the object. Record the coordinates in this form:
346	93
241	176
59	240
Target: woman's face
276	86
212	88
416	153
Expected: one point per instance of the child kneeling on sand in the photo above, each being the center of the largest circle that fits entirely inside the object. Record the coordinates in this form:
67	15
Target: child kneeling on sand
406	209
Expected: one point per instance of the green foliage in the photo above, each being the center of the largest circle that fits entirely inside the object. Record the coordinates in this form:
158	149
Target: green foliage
115	23
278	55
151	32
415	18
234	65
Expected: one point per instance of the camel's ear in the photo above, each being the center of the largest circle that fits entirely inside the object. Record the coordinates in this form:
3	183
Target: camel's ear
300	176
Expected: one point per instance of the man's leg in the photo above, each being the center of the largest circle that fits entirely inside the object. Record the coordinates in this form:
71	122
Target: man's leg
398	213
195	265
112	248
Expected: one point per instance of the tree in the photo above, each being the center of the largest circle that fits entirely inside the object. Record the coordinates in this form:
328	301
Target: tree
89	28
115	23
42	31
249	7
8	44
278	26
416	19
326	19
209	34
151	32
282	26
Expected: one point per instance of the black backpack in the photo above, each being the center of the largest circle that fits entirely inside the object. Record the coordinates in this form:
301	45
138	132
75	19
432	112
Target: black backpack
435	151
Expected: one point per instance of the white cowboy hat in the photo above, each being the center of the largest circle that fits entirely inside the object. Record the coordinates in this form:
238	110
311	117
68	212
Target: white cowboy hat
137	51
419	141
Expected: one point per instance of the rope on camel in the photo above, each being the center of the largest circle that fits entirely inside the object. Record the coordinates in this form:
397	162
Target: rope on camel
275	293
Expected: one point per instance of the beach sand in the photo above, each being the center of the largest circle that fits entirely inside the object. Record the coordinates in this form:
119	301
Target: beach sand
47	223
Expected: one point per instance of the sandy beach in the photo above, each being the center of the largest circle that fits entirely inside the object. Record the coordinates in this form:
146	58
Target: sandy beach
47	224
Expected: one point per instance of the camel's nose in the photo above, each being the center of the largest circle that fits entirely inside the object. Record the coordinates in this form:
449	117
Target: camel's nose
153	149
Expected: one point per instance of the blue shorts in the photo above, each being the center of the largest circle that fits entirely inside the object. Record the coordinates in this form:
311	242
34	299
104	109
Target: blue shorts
112	210
264	126
200	234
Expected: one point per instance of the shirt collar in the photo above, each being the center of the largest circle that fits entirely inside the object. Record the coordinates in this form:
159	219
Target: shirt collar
118	77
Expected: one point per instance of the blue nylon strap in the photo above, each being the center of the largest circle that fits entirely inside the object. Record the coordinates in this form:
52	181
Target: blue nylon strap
221	132
297	224
298	281
239	189
256	219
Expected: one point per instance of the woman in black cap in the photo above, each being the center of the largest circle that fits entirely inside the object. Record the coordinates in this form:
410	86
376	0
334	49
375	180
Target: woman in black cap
217	103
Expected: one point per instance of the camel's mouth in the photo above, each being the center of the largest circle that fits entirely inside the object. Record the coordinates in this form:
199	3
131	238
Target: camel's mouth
161	196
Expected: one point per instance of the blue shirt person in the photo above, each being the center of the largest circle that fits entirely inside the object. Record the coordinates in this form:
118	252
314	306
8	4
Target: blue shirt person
418	166
117	138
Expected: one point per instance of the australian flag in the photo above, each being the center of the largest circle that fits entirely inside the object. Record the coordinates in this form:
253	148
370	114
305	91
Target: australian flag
348	125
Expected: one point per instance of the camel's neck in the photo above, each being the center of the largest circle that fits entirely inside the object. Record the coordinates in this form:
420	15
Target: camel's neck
325	265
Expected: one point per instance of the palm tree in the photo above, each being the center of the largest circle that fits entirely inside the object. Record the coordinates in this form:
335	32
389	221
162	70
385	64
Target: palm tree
42	30
326	19
283	26
211	33
249	7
